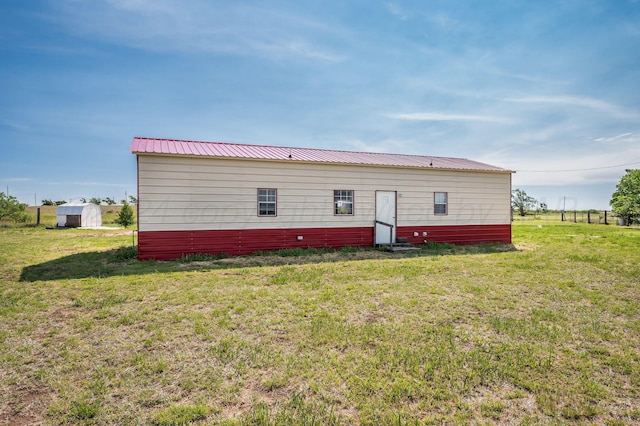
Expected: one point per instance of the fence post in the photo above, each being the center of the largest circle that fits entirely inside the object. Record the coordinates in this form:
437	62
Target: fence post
605	217
38	217
575	216
589	216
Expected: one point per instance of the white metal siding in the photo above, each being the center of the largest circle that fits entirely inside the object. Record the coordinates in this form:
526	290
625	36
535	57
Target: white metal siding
187	193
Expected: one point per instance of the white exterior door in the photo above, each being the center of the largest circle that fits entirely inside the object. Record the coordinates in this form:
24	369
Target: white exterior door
385	212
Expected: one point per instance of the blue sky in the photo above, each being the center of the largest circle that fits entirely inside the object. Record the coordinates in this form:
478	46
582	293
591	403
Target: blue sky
550	89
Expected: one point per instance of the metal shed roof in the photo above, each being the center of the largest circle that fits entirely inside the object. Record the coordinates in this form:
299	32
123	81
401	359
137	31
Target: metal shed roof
74	208
264	152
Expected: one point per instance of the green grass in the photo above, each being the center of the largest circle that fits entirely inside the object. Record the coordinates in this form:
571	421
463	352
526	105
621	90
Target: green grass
543	332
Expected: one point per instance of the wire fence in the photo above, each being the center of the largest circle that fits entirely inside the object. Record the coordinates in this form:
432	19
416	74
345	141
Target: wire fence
602	217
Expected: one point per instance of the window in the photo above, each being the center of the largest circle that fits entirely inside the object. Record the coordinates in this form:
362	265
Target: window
343	202
267	202
440	203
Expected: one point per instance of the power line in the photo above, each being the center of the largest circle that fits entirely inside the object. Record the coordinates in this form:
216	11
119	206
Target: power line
579	170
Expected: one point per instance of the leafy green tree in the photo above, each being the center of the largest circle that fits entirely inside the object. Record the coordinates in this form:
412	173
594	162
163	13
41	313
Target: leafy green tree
132	200
521	202
95	200
12	209
48	202
625	201
125	216
109	201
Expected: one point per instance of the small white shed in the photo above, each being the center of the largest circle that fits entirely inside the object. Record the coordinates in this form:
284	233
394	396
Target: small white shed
75	215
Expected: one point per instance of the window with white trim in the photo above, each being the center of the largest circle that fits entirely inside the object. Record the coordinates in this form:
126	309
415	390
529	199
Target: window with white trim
343	202
267	202
440	203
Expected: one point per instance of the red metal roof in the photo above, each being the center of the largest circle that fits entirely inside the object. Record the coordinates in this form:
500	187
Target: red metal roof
265	152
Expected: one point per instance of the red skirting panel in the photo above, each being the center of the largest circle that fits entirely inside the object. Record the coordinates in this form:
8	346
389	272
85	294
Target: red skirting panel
456	234
166	245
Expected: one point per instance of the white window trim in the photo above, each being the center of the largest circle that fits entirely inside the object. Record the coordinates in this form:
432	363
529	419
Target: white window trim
338	202
445	204
267	202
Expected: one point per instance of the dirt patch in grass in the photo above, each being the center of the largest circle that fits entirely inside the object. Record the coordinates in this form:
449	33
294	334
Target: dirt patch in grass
26	407
273	260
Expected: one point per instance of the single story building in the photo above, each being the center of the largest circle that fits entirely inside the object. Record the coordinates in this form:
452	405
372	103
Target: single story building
76	215
211	197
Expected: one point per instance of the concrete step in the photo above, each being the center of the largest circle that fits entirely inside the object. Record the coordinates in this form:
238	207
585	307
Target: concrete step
401	246
397	248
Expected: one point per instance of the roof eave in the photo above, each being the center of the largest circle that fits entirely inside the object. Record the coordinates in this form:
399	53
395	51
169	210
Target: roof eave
293	160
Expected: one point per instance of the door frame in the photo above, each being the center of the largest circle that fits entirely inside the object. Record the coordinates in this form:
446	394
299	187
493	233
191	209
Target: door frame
381	230
73	221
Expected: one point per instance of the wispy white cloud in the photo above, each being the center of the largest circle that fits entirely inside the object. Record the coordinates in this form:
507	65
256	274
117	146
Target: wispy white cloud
14	125
143	5
444	22
297	48
388	145
579	101
582	167
439	116
397	11
17	179
200	26
530	78
105	184
62	183
621	138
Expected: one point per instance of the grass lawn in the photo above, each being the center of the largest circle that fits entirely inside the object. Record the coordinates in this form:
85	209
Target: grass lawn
544	332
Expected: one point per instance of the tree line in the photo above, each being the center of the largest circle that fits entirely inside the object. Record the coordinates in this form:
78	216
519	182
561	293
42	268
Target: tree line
522	203
107	201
